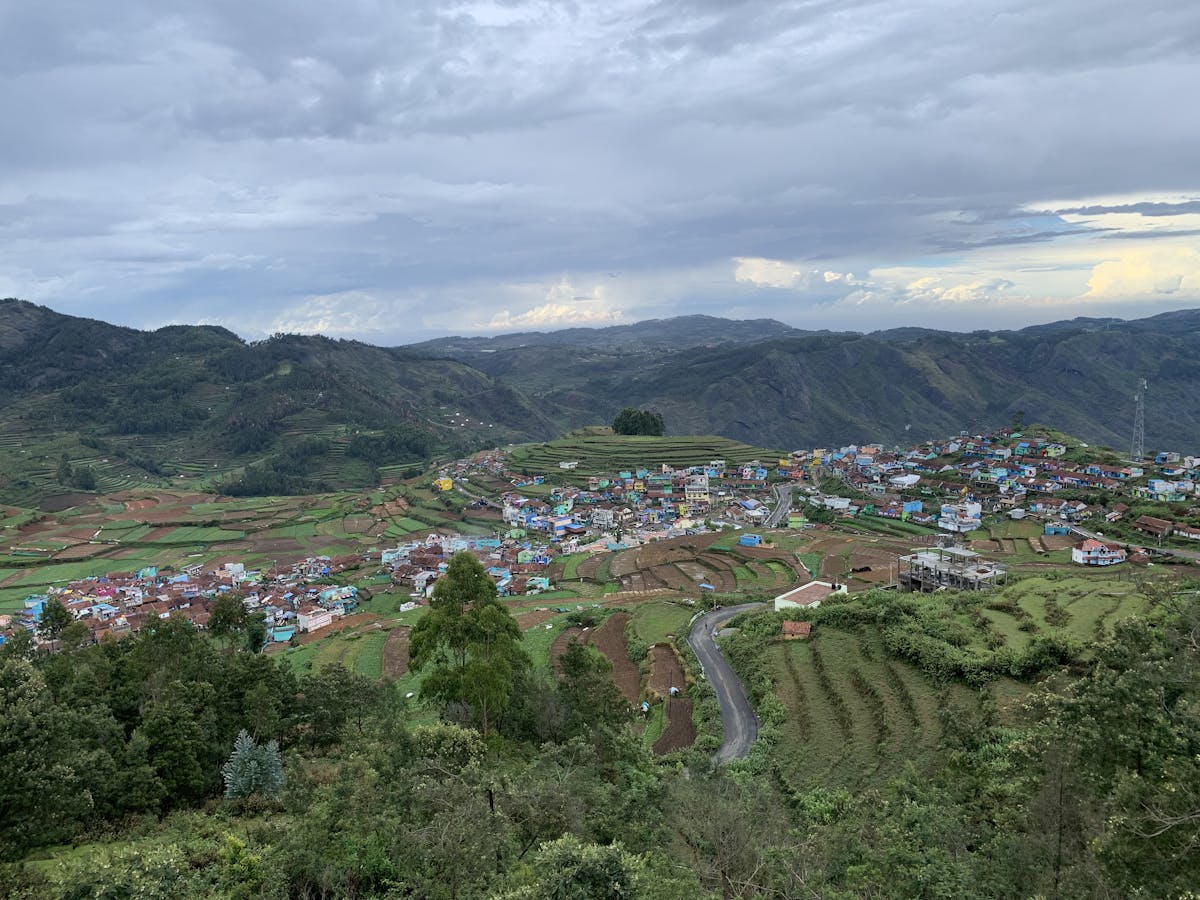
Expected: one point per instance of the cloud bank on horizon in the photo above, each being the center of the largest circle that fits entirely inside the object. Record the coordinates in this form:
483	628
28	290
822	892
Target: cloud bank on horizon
394	172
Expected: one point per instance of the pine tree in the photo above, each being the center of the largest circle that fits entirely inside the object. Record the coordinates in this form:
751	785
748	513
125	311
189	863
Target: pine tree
253	769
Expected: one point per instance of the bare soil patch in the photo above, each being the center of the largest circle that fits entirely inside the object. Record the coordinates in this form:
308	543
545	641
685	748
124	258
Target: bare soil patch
665	671
65	501
693	571
528	620
1054	542
609	639
587	568
351	622
79	551
395	653
680	732
277	545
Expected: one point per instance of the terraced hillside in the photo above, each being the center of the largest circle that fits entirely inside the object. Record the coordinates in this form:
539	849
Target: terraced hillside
600	452
882	676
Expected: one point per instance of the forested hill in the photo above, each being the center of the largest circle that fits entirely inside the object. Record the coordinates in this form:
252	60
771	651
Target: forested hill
799	389
307	412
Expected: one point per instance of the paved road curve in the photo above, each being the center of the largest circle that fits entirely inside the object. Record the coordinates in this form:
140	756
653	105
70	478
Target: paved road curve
783	504
737	715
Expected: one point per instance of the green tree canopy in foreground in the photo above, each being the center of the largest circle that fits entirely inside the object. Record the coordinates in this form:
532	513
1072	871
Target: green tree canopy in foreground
471	643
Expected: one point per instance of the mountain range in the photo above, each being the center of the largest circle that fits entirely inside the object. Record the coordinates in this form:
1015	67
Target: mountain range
188	400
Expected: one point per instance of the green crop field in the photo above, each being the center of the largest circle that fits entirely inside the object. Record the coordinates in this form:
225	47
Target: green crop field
655	622
855	716
571	564
605	453
655	724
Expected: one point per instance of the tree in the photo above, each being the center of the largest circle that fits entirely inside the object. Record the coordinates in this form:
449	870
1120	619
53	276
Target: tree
591	698
64	473
568	869
253	769
84	478
54	619
471	641
41	795
228	615
638	421
256	632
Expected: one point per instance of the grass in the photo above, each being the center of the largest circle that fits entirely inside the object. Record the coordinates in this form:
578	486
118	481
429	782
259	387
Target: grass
655	725
370	654
571	564
812	562
538	640
656	622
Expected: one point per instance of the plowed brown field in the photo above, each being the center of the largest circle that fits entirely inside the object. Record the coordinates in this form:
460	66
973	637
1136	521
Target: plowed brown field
395	653
680	732
609	639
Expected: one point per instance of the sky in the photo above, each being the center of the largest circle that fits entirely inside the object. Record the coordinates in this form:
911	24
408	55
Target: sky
395	171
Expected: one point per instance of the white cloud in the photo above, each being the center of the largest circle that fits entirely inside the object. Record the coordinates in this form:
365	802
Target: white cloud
565	306
1150	272
344	314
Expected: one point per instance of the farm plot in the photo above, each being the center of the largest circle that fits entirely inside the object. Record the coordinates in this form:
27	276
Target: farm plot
680	731
369	659
395	653
850	707
609	639
657	621
666	673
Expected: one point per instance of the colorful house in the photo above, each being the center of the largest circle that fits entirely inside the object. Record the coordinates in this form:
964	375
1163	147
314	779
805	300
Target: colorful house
1097	553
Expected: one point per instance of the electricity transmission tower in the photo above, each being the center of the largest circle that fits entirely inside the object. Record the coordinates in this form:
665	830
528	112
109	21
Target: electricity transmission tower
1138	451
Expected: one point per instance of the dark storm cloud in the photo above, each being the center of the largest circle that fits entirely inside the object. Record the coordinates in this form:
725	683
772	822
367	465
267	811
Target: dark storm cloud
278	161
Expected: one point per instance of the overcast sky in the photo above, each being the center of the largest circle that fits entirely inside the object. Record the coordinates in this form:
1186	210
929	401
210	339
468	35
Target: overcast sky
393	171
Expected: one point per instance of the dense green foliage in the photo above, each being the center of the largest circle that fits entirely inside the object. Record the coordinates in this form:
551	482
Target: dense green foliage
639	421
471	644
1093	790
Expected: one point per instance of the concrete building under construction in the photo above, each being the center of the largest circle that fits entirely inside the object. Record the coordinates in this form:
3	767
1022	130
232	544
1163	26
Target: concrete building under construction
929	569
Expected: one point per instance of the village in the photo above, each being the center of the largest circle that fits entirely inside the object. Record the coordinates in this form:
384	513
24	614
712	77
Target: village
948	488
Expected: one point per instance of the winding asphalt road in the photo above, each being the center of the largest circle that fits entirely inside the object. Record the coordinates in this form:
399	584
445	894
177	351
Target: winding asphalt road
737	715
783	504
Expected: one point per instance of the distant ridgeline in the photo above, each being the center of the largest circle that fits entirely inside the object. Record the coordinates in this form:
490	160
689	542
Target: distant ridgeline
197	405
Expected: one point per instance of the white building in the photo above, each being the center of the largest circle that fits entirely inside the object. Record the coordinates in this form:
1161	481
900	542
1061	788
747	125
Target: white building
808	596
960	517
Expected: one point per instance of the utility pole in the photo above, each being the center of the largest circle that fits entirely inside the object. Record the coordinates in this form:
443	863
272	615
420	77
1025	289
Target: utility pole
1138	450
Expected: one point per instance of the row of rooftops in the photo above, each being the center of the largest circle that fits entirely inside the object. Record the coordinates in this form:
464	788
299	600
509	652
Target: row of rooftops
120	603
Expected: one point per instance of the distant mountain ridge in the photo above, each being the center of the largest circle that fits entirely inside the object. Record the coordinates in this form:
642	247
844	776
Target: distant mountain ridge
675	333
198	399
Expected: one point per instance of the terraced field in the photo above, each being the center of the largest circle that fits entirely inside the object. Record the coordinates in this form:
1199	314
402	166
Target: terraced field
854	715
606	453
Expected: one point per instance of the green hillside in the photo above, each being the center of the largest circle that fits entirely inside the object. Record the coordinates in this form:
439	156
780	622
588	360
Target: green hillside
199	407
600	452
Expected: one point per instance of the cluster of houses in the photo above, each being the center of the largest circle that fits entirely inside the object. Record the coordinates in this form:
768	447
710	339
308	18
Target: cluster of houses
976	475
637	505
517	566
293	598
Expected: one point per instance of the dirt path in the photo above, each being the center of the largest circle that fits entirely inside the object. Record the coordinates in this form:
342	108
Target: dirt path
395	653
609	639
